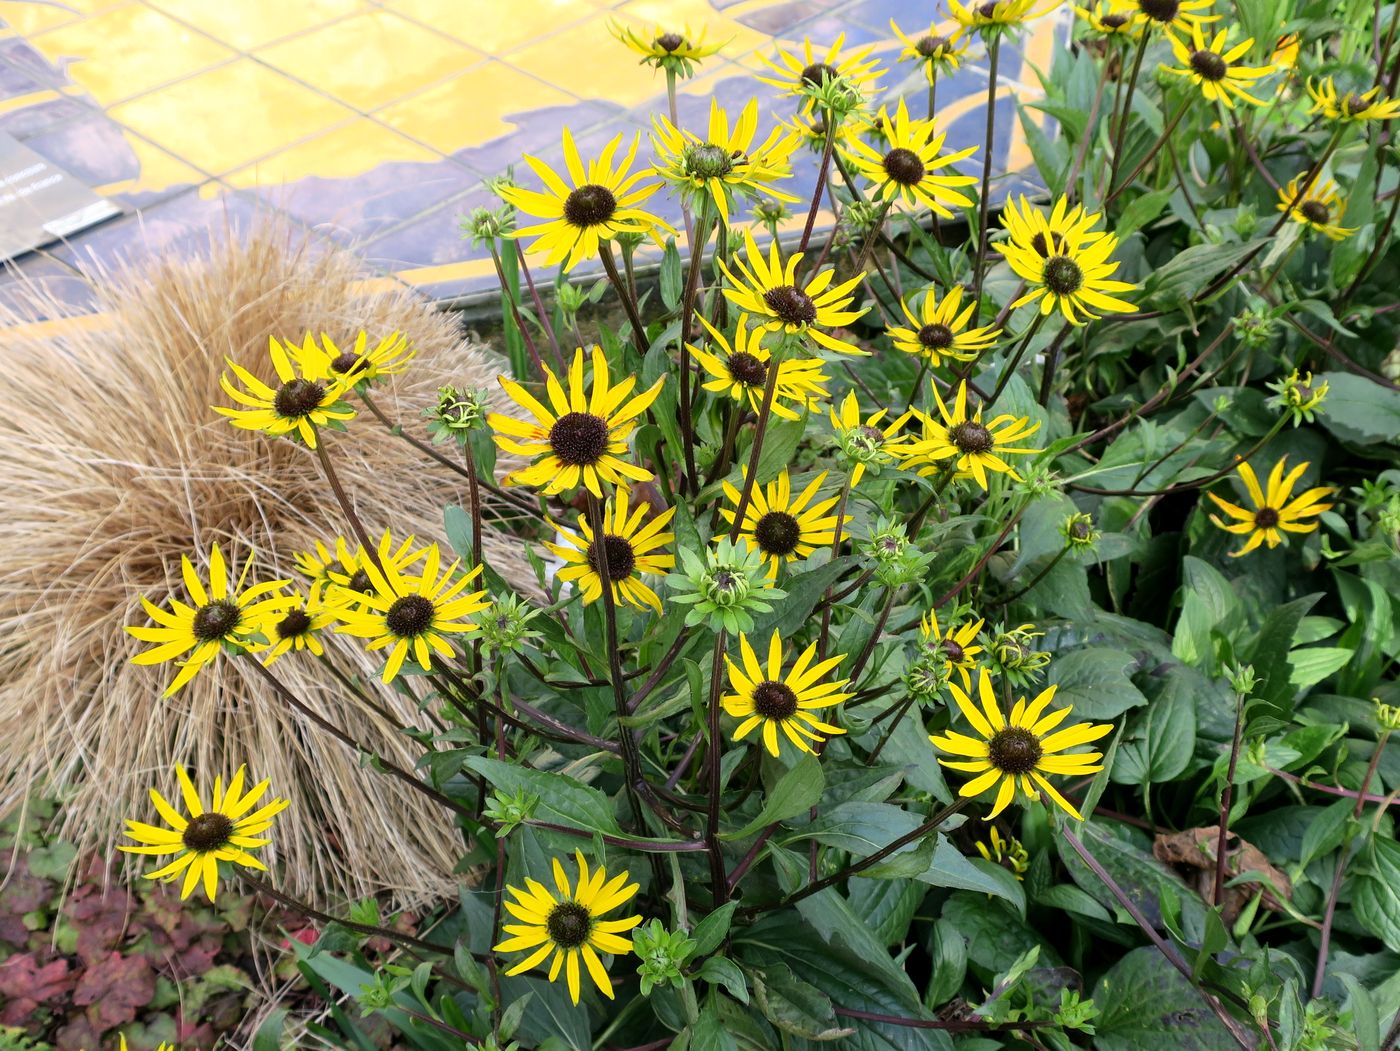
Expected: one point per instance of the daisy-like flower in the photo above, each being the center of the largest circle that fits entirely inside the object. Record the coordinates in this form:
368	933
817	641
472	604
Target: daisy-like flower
725	164
339	578
1212	67
596	204
582	435
938	328
805	74
973	447
910	168
741	372
1317	208
1350	107
1275	507
783	528
1019	750
775	701
958	645
1284	56
1066	264
414	614
664	48
934	51
863	442
1006	852
300	403
997	15
768	290
1109	19
225	831
1177	15
359	362
297	628
218	617
631	550
569	925
811	131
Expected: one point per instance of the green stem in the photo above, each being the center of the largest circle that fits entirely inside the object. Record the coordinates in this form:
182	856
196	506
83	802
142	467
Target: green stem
983	202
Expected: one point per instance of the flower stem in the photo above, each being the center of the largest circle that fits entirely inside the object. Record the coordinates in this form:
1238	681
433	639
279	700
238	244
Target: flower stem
718	879
540	311
983	201
639	330
1227	792
1120	132
1044	572
823	173
355	524
692	286
770	386
1156	146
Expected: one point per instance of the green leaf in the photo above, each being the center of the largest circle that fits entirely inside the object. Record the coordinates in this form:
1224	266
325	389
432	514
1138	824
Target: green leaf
1269	654
711	931
797	791
1160	740
1311	664
1142	878
795	1006
1142	210
562	800
1360	410
269	1034
949	953
1189	271
1376	898
1146	1002
804	591
719	971
887	906
1095	681
709	1033
672	283
780	442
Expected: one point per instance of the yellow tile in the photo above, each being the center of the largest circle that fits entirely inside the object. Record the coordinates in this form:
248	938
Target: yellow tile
371	59
27	16
471	109
246	24
344	153
232	115
495	26
152	49
589	62
157	170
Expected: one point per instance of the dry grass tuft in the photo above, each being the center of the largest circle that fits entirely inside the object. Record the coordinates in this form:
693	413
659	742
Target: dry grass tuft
114	465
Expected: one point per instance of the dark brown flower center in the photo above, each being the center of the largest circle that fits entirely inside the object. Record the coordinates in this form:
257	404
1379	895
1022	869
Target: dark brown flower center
1353	104
345	362
622	560
1114	21
747	369
777	533
1159	10
971	437
409	616
215	620
1081	530
298	398
791	305
774	700
988	10
1043	249
1266	518
295	623
1315	211
1013	750
873	435
360	581
569	924
579	438
929	46
819	73
952	650
669	42
1062	275
1208	65
589	205
207	832
936	337
904	166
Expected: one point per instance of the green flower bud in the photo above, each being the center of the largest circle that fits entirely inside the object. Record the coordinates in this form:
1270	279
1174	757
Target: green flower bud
661	955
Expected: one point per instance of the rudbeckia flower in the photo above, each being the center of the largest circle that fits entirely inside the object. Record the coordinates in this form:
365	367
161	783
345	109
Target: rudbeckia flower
939	328
1317	208
1212	67
630	544
741	371
973	447
775	701
783	527
301	403
1275	508
910	169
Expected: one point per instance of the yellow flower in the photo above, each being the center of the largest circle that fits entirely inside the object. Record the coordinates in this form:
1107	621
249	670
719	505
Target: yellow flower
973	447
1019	750
218	617
863	441
629	548
933	50
1212	67
725	163
1066	264
581	437
997	14
1316	208
802	75
595	206
742	371
783	528
939	329
811	131
1284	57
300	403
569	925
296	628
414	613
666	49
769	291
1273	510
1008	853
327	361
776	701
225	831
909	169
1179	15
339	579
1352	107
1110	19
958	645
